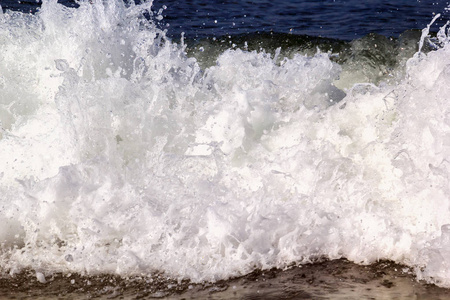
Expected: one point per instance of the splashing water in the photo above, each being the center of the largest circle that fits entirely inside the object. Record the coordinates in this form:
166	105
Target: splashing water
119	154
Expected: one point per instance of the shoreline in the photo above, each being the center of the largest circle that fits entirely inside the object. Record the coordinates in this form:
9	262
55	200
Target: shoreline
335	279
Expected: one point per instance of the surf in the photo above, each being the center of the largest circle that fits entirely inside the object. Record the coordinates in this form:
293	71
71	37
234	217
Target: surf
122	152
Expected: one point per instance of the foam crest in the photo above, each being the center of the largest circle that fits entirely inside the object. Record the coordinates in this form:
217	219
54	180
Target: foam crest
121	155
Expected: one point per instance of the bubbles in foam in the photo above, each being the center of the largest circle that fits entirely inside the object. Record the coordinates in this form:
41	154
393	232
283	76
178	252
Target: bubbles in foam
121	155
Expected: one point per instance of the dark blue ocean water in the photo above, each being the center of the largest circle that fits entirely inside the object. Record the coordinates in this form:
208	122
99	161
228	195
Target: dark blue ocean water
342	19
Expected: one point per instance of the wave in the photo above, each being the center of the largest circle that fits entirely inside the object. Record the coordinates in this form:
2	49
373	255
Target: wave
125	152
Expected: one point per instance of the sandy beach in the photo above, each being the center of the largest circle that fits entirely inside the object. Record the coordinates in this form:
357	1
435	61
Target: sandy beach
337	279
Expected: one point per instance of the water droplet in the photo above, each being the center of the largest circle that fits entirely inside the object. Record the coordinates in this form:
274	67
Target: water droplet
69	258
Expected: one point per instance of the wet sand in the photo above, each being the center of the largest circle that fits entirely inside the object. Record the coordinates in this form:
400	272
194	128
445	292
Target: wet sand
337	279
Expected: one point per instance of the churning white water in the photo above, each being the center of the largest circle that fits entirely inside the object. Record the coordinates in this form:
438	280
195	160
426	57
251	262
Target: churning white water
119	154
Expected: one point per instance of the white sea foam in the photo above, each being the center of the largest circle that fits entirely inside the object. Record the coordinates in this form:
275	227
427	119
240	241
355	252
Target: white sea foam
118	154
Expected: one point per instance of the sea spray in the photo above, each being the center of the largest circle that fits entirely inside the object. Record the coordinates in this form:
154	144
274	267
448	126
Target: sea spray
120	154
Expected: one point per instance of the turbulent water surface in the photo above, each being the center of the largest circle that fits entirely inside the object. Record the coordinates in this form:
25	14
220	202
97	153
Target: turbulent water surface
126	152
